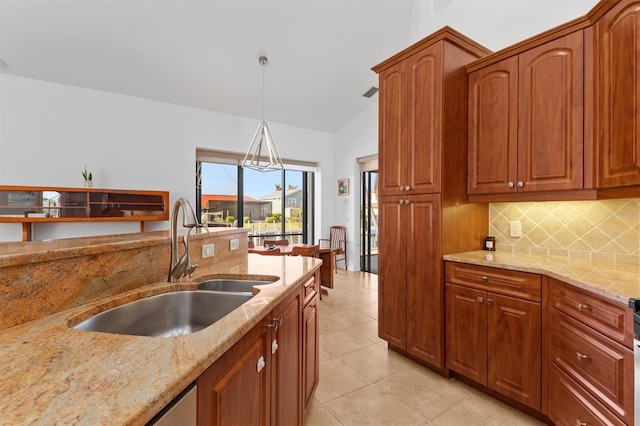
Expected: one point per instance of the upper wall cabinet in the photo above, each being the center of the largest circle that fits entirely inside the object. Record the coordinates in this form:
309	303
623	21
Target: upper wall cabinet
30	204
411	124
526	121
616	39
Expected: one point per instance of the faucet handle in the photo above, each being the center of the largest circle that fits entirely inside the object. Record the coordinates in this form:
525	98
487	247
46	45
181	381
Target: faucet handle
191	268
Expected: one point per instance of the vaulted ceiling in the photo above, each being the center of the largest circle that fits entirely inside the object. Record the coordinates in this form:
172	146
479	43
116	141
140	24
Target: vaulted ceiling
204	53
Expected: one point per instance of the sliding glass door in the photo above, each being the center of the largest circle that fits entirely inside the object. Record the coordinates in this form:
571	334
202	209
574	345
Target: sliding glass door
369	222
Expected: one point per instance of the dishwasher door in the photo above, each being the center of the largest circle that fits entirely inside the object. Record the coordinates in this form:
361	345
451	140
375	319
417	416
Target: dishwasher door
181	411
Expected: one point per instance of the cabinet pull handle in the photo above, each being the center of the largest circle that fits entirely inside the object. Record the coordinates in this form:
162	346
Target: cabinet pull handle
275	323
520	184
510	184
260	364
406	188
582	307
485	279
580	423
581	357
407	202
480	299
401	188
401	202
489	302
274	346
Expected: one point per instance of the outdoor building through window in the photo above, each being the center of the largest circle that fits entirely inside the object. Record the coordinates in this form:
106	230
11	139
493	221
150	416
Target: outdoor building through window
273	205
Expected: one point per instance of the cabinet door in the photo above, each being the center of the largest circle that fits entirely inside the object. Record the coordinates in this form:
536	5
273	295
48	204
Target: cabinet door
618	95
235	390
424	277
392	277
467	332
550	120
287	362
514	348
311	346
392	149
424	121
493	114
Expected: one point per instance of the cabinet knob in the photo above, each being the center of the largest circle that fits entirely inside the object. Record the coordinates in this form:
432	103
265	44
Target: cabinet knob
401	201
580	423
510	184
406	188
582	307
489	302
485	279
480	299
274	346
401	188
260	364
520	184
407	202
581	357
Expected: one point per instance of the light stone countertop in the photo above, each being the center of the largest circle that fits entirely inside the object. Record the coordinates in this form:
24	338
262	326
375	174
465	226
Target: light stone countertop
52	374
616	281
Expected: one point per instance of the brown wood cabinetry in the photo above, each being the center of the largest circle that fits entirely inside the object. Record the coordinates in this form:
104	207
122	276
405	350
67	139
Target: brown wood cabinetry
31	204
267	376
526	121
423	210
589	342
495	339
616	40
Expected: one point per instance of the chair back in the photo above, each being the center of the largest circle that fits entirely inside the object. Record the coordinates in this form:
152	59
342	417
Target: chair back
271	252
251	244
282	242
311	251
338	238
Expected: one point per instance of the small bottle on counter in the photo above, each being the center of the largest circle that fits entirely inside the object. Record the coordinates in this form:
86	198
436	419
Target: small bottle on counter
489	244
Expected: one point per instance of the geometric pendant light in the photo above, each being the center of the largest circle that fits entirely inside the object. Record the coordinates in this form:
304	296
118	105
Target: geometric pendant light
262	154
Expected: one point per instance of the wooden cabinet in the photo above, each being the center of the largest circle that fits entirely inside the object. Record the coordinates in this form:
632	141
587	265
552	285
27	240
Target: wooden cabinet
29	205
495	339
423	210
411	123
236	389
590	341
310	351
526	121
616	39
259	381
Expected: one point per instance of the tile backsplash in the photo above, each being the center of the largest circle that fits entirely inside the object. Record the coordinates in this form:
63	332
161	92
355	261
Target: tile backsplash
598	230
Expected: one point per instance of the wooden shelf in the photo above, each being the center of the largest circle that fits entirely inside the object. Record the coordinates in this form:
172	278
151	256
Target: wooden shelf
35	204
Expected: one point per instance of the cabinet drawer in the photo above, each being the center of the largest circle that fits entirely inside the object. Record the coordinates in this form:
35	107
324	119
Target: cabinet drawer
600	365
511	283
570	404
610	318
309	290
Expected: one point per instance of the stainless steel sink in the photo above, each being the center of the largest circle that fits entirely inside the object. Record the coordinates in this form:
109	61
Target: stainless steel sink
227	284
166	315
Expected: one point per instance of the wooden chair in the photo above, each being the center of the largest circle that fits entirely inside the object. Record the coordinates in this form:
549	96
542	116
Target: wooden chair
283	242
271	252
311	251
338	243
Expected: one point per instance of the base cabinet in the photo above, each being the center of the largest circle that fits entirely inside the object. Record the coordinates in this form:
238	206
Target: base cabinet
310	351
261	379
495	339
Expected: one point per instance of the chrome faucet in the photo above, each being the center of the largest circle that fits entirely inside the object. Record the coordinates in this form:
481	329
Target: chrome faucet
182	267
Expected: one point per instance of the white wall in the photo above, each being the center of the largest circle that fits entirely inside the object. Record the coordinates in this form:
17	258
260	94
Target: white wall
358	138
49	131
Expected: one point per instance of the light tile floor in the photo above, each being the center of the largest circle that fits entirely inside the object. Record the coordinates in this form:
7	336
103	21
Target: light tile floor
363	383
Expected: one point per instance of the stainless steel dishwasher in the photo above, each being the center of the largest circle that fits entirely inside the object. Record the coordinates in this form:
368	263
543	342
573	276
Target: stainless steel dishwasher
181	411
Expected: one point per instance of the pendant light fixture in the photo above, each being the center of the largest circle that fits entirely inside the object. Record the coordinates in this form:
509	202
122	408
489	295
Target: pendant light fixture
263	155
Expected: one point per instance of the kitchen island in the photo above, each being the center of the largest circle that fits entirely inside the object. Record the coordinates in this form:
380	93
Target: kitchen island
53	374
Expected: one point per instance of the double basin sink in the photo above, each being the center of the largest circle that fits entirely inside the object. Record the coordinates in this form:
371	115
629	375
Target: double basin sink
177	313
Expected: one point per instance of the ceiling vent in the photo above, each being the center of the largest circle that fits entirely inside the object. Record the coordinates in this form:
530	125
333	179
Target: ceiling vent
369	93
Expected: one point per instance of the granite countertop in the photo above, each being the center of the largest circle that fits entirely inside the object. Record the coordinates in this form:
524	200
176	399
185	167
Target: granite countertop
616	281
53	374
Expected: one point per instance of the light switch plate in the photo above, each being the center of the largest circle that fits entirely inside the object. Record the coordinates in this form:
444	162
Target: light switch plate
208	250
515	229
234	244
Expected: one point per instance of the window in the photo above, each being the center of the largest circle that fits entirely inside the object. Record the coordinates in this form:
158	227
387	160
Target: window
276	204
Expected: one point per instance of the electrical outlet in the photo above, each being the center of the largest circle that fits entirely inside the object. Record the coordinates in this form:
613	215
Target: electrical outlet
208	250
234	244
515	229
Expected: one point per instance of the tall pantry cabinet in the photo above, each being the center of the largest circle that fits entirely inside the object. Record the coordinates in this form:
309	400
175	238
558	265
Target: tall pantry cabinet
422	202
